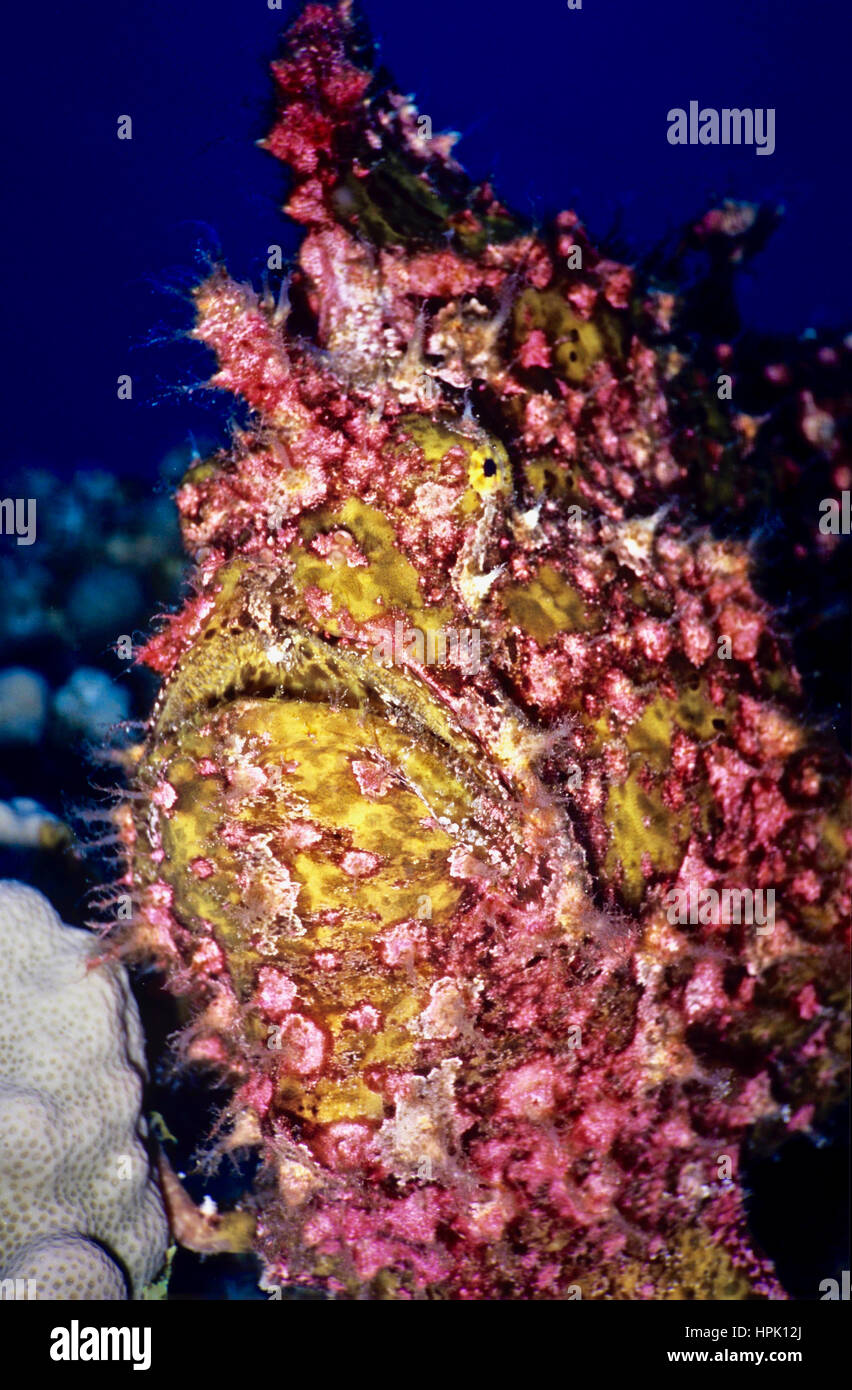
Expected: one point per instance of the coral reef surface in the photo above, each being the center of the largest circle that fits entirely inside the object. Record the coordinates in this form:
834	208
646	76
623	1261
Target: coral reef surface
81	1214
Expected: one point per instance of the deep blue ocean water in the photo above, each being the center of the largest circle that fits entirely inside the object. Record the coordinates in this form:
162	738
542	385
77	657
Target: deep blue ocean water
562	107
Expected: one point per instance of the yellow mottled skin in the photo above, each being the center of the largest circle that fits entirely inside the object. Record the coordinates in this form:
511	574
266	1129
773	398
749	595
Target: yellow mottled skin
272	824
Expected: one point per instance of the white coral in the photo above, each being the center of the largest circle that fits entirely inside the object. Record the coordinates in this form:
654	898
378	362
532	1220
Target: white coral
80	1212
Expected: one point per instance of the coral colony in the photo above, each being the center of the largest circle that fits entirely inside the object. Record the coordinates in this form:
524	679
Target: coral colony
81	1215
422	908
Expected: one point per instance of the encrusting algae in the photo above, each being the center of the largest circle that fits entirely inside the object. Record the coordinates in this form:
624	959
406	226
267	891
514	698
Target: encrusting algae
420	902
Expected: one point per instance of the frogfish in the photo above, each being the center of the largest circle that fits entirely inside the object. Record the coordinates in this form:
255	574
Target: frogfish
480	823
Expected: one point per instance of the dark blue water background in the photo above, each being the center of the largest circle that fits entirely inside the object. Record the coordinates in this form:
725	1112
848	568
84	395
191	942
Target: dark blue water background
562	107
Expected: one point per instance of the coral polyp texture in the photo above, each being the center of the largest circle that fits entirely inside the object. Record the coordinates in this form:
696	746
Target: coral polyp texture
462	692
80	1211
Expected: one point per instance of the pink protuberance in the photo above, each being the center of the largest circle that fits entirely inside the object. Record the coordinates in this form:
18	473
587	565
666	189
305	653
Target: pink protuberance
276	993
